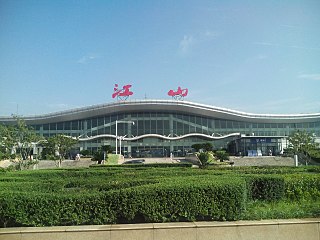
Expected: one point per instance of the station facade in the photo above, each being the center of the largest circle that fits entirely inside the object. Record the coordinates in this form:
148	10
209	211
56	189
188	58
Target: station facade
157	128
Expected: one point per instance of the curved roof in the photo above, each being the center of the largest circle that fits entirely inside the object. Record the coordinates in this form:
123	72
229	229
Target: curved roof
165	106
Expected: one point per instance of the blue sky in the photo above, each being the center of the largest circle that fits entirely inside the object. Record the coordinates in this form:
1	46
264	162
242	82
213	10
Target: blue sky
252	56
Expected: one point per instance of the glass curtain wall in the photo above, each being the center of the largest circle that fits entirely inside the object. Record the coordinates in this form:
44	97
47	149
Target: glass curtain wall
166	124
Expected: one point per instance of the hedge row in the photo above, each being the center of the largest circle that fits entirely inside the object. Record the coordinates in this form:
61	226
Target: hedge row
149	165
301	187
128	195
265	187
178	201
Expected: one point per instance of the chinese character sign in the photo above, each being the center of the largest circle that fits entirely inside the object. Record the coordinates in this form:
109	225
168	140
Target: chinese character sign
122	93
179	94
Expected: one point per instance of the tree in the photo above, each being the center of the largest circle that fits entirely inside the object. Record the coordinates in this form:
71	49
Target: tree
197	147
107	148
6	142
20	140
302	144
204	159
60	145
222	155
102	154
207	146
204	146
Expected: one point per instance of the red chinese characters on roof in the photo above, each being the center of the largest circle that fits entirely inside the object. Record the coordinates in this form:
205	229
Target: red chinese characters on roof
179	94
122	94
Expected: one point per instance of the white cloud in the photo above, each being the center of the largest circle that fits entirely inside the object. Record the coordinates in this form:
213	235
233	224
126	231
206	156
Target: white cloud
315	76
209	35
286	46
86	59
186	43
189	41
266	44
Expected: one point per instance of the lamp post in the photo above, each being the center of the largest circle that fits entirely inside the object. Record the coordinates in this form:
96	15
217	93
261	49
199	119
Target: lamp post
120	139
117	131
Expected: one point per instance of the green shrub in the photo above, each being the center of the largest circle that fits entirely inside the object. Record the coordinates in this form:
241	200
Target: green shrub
222	155
149	165
204	159
131	194
265	187
95	200
302	186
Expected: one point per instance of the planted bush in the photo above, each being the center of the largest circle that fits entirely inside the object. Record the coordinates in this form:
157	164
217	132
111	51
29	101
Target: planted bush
301	187
106	195
265	187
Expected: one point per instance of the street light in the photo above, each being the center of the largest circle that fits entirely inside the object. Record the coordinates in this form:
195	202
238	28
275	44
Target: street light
120	139
117	131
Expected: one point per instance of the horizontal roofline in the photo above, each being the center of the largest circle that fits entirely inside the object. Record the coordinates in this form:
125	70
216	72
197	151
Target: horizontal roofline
163	105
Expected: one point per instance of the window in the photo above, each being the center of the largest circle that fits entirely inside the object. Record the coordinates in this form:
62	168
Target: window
74	125
53	126
223	124
100	121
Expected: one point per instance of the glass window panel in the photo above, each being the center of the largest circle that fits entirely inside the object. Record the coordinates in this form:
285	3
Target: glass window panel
45	126
198	120
74	125
153	125
53	126
89	124
292	125
217	124
193	119
223	124
94	122
159	124
67	126
100	121
101	131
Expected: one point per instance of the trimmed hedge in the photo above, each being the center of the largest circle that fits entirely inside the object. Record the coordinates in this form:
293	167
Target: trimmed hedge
130	195
265	187
301	187
148	165
194	199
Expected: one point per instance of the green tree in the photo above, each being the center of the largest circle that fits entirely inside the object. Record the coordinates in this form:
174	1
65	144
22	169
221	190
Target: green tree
204	146
6	141
197	147
204	159
303	144
102	154
107	148
85	152
207	147
20	140
60	145
221	155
